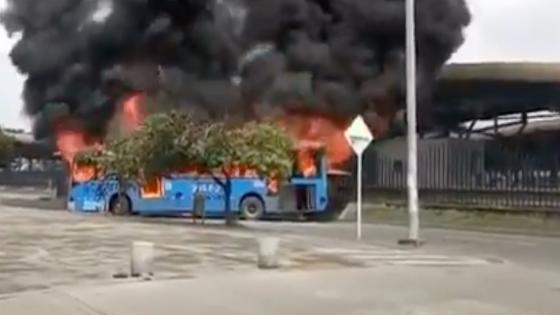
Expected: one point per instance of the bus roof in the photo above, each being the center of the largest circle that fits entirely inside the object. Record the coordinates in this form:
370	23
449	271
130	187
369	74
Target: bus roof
310	145
339	173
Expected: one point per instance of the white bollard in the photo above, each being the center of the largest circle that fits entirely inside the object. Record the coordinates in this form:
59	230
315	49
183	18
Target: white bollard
142	259
268	253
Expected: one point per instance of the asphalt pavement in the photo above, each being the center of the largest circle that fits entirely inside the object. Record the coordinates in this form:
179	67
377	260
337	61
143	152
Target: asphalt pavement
527	251
386	290
45	249
55	262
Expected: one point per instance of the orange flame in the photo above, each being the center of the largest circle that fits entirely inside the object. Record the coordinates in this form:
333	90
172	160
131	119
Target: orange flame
152	189
313	131
306	162
70	140
132	110
82	174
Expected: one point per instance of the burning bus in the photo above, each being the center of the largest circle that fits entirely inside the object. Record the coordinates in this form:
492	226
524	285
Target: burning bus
307	192
315	189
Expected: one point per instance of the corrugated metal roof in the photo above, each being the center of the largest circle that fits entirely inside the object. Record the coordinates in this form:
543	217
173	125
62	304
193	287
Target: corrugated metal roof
25	137
504	71
532	127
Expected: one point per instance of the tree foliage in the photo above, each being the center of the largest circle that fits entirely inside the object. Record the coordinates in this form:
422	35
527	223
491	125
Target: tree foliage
6	146
261	147
117	157
170	142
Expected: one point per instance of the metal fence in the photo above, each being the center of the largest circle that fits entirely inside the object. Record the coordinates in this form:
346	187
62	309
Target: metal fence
41	174
460	172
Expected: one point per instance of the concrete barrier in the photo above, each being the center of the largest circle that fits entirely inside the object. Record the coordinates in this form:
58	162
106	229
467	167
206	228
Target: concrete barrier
142	259
268	253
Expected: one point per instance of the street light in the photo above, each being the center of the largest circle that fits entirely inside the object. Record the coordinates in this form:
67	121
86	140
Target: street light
412	176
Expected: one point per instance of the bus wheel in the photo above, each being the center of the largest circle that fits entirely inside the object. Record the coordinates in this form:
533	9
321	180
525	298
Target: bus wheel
121	208
252	208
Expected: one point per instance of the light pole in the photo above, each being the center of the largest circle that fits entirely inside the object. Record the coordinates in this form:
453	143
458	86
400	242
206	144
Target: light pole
412	174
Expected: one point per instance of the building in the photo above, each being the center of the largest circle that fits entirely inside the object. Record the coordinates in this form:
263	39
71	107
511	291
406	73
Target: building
493	141
33	163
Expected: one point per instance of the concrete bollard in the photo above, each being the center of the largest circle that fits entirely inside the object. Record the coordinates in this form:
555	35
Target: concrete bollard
268	253
142	259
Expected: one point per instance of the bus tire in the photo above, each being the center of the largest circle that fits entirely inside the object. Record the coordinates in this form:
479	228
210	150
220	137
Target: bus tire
120	208
252	208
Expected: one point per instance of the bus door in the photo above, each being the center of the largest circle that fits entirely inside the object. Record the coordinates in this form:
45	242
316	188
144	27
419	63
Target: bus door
306	184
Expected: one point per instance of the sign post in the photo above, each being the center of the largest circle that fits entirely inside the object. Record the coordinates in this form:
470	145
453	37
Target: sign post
359	137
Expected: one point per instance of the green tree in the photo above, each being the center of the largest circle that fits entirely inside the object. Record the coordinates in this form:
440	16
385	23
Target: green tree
7	144
262	147
166	143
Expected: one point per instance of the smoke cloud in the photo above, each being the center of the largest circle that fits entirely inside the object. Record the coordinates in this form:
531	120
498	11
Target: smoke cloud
225	57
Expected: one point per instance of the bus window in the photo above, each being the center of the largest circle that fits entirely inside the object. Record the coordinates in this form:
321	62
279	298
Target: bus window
152	189
308	164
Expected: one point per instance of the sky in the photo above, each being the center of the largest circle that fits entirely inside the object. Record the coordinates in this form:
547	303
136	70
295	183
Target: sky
501	30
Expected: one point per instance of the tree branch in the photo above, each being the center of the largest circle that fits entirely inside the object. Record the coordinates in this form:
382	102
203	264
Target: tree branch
217	179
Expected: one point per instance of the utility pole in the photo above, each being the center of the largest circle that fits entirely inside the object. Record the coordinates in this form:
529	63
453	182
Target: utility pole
412	174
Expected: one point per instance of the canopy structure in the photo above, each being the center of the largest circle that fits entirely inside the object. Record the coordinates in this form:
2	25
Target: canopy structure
27	147
468	92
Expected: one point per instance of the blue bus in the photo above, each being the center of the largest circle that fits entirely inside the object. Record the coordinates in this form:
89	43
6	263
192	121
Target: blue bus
251	197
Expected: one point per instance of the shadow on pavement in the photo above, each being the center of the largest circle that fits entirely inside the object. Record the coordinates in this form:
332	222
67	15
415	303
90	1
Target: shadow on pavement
38	203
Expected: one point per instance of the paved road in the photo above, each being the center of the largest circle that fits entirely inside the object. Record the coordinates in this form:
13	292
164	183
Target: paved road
64	263
385	290
533	252
42	249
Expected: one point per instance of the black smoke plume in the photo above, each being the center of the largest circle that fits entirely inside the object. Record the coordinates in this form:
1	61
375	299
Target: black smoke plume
225	57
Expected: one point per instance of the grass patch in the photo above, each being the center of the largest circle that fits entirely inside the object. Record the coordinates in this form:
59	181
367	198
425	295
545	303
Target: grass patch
488	221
